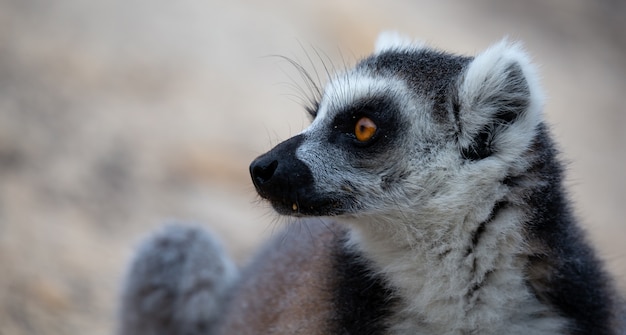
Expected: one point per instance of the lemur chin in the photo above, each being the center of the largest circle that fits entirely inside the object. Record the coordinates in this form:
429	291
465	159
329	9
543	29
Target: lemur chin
430	199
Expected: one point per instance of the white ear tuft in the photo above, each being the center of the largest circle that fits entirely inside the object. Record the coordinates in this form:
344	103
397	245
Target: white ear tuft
392	40
499	93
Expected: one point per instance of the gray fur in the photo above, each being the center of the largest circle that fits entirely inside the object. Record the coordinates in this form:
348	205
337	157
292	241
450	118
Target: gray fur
455	207
176	284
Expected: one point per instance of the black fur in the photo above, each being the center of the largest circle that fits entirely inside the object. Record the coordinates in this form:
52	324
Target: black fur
480	148
362	299
575	284
280	177
483	225
427	71
383	112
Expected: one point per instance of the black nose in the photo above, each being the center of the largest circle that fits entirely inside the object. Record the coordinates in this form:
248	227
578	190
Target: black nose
279	175
262	170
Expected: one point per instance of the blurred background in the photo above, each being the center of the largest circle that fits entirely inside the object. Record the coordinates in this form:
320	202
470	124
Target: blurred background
118	115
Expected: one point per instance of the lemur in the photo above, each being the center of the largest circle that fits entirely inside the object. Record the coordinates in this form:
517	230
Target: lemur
428	199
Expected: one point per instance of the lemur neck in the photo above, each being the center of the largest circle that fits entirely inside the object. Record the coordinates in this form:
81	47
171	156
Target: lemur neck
443	267
435	238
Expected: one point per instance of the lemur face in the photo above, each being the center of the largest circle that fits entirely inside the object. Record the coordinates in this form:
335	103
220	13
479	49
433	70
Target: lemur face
391	135
352	154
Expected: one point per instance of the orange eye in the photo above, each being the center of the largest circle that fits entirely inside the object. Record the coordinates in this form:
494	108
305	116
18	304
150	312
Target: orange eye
364	129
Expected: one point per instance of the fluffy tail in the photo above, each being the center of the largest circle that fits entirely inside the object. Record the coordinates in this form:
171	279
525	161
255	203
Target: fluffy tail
176	284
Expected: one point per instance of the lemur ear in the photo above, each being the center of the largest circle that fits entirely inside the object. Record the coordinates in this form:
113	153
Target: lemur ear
391	40
499	103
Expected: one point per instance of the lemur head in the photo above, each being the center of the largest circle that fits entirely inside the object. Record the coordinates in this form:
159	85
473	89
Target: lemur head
408	130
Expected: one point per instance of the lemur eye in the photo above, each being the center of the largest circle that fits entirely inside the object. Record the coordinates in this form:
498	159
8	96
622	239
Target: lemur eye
364	129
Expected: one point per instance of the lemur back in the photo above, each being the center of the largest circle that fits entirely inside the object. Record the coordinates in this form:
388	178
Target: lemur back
428	199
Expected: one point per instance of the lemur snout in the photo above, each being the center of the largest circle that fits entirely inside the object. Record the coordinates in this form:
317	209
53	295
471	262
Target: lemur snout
280	177
278	171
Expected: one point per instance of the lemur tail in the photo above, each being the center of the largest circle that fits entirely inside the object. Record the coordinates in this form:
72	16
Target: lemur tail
176	284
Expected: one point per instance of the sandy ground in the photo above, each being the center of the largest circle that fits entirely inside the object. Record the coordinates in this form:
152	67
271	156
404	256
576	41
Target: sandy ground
116	116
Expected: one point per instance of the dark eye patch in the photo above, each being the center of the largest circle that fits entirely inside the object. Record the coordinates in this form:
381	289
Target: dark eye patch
381	110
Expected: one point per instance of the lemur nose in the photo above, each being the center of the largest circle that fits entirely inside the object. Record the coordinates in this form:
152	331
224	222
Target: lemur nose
262	170
277	174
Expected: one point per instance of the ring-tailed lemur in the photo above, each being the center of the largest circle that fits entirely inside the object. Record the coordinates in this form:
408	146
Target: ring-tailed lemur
430	201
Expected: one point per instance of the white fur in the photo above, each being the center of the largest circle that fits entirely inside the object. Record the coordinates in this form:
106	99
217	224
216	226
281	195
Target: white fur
409	258
391	40
346	88
483	79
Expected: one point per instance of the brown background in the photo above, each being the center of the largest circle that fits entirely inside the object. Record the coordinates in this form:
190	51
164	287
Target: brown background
117	115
